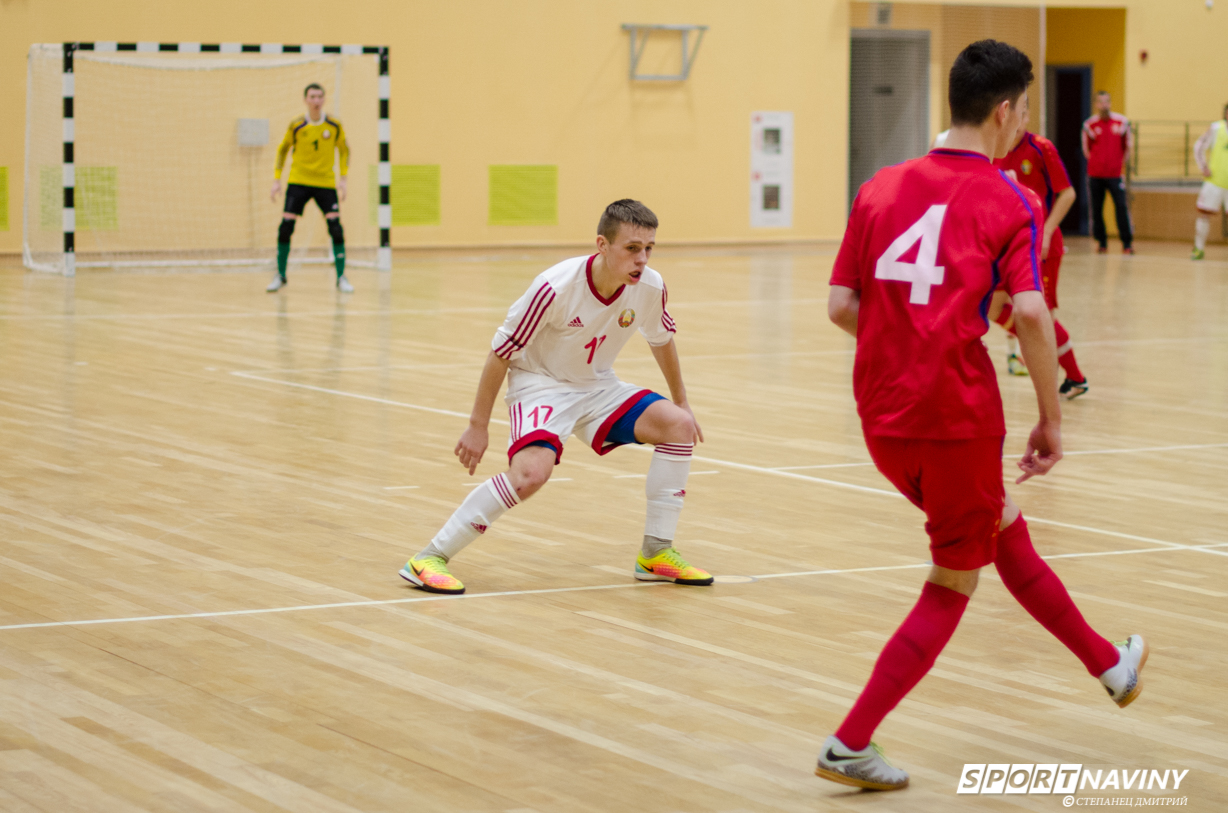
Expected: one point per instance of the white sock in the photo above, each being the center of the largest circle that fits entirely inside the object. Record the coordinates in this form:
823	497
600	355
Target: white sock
481	508
1012	345
652	546
671	463
1202	228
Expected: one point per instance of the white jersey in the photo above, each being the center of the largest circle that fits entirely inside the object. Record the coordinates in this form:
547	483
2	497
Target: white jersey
562	332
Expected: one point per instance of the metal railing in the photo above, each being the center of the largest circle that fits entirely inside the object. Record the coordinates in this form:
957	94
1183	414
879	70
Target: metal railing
1164	150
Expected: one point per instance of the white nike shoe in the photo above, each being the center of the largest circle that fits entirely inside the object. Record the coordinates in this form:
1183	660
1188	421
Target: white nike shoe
277	284
343	285
1123	682
866	768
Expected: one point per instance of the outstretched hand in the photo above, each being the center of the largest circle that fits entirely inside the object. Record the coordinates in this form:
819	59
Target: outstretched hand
471	446
1043	452
276	190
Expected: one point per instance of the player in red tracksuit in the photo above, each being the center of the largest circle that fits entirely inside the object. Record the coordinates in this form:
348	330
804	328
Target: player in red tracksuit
926	245
1033	162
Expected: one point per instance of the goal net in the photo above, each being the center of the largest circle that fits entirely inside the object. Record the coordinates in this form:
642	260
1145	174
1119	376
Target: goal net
174	157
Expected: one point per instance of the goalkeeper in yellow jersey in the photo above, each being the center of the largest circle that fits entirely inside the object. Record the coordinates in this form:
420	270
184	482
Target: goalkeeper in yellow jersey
313	138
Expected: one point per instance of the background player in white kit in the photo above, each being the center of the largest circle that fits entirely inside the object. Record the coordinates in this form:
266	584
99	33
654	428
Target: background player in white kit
1211	153
559	343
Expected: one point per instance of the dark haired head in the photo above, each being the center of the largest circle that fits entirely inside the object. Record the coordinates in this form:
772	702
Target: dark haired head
624	211
984	75
311	87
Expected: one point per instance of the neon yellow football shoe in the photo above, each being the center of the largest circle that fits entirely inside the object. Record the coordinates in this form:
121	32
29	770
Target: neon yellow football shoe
669	566
1015	365
431	574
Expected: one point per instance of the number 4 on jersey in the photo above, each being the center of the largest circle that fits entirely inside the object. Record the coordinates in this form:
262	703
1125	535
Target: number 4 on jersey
923	273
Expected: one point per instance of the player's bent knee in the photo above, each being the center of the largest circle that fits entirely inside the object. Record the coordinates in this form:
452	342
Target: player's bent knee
285	230
961	581
665	422
334	229
531	469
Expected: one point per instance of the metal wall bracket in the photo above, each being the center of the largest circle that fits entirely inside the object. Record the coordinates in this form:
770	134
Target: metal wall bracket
639	39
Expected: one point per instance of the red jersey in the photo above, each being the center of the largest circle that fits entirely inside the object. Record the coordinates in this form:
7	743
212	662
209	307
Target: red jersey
1106	142
927	242
1038	167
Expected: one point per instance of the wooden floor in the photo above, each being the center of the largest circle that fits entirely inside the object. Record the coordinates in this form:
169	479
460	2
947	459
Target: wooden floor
207	492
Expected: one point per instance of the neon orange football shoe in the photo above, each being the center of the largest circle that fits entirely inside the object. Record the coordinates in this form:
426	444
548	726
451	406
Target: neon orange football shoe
431	574
669	566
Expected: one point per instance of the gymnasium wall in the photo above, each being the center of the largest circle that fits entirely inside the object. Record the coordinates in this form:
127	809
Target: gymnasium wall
1083	36
544	82
951	29
541	82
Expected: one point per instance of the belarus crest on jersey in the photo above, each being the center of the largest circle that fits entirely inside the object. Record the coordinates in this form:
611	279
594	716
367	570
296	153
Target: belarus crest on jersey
326	134
626	318
1026	166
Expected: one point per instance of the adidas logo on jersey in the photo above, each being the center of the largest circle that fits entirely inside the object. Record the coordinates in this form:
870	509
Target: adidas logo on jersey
479	528
575	323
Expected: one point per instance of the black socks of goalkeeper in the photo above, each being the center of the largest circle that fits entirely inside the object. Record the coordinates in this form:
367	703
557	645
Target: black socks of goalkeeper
334	231
338	234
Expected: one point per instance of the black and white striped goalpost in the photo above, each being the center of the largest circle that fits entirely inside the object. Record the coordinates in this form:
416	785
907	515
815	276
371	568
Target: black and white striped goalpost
383	260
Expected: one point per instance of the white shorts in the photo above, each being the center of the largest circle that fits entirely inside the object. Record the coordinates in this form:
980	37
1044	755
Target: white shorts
553	415
1212	198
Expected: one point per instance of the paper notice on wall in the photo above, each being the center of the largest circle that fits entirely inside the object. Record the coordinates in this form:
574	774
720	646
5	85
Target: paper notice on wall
771	170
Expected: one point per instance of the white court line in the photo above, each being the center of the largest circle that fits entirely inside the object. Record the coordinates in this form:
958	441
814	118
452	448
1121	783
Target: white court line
1149	449
730	464
505	593
399	488
1012	457
824	466
13	317
370	398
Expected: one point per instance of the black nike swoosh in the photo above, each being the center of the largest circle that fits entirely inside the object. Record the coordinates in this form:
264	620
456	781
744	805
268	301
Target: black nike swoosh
831	757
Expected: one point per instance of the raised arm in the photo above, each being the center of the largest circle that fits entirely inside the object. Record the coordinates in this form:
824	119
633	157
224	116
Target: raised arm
476	437
666	356
1034	326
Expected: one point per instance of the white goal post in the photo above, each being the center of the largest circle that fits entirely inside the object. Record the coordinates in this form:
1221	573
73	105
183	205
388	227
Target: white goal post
161	154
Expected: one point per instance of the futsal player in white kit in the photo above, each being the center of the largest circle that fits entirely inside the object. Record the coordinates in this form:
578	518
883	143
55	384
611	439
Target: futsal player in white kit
558	347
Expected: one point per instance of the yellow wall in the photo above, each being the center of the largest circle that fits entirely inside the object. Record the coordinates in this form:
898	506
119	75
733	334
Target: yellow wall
1186	74
537	82
544	82
1091	36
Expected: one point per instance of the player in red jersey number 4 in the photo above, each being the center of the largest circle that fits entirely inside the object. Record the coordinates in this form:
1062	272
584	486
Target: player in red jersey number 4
557	350
926	244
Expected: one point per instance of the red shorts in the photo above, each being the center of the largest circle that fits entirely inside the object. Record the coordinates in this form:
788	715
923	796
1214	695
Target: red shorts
958	484
1049	269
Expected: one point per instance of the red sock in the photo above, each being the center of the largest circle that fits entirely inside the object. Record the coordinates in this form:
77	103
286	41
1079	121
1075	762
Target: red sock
1035	586
904	661
1005	316
1067	359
